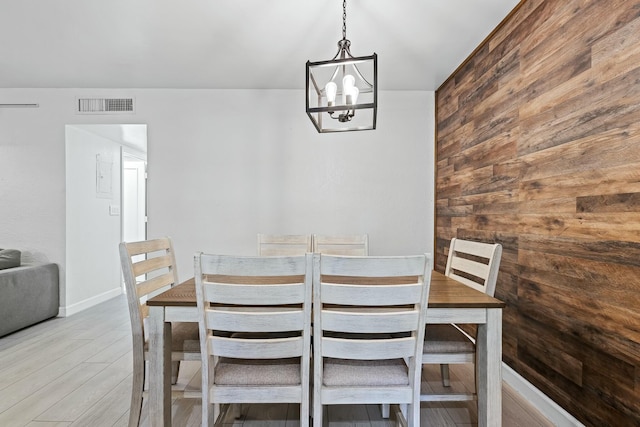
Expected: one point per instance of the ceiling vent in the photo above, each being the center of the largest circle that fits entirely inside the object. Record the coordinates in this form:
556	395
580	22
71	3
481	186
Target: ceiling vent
105	106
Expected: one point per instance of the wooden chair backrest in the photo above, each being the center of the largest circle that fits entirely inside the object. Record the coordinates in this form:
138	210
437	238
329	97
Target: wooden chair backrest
475	264
370	297
252	295
148	267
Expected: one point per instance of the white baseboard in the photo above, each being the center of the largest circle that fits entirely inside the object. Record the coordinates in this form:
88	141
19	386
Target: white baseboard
88	303
550	409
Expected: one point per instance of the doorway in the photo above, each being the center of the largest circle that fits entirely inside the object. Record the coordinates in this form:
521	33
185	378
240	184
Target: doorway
134	197
101	160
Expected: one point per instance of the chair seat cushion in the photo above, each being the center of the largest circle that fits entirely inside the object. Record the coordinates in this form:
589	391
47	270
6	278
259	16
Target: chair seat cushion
372	373
256	372
446	339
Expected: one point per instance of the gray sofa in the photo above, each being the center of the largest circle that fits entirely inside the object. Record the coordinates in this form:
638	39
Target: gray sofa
28	294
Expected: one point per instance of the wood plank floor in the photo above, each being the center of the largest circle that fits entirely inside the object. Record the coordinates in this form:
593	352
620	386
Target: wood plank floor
76	371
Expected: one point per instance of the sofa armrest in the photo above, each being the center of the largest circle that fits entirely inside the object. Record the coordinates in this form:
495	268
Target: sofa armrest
28	294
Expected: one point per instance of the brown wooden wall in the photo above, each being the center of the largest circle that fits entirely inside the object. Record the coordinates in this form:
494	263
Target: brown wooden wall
538	148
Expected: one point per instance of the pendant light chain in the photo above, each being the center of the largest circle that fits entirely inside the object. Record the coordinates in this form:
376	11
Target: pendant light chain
344	19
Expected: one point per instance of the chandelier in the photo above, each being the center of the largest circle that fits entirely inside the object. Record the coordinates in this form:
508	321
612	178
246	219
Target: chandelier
342	93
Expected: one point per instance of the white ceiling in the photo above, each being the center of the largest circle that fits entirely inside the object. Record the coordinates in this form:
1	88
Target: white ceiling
233	43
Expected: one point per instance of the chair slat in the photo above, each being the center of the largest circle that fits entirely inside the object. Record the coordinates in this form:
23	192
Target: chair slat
367	322
372	266
282	249
147	246
256	394
270	348
226	293
480	249
251	321
467	281
284	244
252	266
152	264
366	395
149	286
352	245
336	293
363	349
474	268
350	250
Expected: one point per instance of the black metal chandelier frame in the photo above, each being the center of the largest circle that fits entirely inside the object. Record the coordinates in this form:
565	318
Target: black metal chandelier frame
330	116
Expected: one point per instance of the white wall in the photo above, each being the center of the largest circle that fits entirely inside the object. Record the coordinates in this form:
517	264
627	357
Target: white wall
254	163
227	164
93	233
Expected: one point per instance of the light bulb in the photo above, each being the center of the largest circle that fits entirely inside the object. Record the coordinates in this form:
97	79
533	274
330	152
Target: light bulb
331	89
348	83
352	96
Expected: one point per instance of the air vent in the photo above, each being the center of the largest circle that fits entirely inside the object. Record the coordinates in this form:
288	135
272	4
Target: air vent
105	105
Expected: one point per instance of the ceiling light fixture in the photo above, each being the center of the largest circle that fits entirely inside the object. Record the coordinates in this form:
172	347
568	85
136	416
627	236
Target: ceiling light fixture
354	79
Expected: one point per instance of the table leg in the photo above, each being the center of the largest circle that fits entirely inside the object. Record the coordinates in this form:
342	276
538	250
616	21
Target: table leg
159	368
489	369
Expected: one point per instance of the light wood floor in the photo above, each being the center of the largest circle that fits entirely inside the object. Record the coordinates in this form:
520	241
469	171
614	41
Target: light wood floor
76	371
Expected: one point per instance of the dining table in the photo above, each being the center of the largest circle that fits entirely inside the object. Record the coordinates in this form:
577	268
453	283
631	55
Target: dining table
450	301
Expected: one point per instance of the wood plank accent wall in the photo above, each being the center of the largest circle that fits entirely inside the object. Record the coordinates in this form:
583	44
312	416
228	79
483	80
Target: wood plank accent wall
538	148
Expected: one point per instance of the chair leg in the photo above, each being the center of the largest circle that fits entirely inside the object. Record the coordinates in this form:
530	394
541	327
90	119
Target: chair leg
236	410
316	401
304	413
207	415
444	371
413	415
215	409
404	410
385	409
175	368
137	387
317	414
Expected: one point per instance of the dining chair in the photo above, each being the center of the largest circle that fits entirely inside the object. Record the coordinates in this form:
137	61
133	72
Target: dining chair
255	330
149	267
356	245
476	265
283	244
369	320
